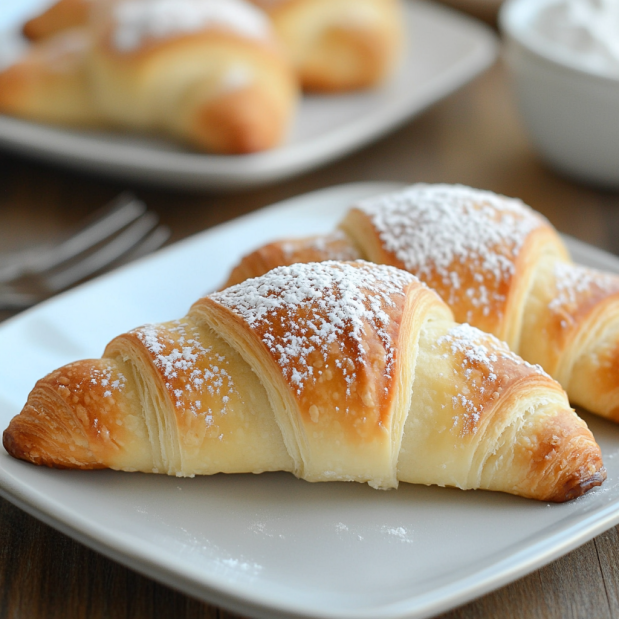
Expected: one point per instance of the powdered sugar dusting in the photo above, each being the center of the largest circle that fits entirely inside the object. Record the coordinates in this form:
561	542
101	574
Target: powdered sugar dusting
335	246
464	241
108	378
90	388
137	20
573	283
481	354
399	533
314	308
188	368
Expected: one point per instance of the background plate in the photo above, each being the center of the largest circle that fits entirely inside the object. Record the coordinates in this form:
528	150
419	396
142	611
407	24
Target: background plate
445	50
271	545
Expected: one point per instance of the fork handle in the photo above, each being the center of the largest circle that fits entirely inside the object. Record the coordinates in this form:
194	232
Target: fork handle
15	301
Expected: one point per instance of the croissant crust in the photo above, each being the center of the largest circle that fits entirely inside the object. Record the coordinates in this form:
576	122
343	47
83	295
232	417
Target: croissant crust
499	266
342	371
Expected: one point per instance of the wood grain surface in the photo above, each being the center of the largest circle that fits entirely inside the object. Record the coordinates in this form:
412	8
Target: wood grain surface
473	137
482	9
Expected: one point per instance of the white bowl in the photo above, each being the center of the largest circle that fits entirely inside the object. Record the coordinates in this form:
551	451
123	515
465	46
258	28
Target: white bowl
571	109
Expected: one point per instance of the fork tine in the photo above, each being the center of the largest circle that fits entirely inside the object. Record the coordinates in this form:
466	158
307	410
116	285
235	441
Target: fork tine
106	222
13	300
126	240
150	244
16	264
102	224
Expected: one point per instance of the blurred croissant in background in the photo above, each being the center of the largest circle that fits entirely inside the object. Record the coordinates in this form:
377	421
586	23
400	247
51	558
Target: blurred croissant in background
221	75
334	45
208	72
338	45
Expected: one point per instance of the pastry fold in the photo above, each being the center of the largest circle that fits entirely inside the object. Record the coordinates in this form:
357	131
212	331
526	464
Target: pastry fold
500	266
335	371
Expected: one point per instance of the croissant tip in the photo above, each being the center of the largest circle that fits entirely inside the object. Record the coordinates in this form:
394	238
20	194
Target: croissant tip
9	444
18	449
578	484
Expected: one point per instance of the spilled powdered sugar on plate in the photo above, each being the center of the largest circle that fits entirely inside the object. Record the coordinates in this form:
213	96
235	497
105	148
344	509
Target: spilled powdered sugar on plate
397	533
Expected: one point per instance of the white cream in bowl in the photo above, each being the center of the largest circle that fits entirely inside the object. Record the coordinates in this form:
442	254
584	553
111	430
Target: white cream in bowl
564	60
587	30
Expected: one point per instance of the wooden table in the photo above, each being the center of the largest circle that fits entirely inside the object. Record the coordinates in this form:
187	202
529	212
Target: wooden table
473	137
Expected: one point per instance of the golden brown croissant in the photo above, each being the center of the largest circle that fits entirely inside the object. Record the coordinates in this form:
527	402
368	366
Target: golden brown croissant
208	72
62	15
335	45
50	83
338	45
334	371
501	267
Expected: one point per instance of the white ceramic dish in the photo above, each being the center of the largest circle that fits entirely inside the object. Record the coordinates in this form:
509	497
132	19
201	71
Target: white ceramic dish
445	51
271	545
572	113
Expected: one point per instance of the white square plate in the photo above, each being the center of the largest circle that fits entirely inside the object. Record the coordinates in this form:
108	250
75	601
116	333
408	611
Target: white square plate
271	545
445	50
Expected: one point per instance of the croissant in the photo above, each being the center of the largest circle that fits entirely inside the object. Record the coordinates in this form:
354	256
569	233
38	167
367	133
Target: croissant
207	72
335	45
338	45
49	84
335	371
500	266
62	15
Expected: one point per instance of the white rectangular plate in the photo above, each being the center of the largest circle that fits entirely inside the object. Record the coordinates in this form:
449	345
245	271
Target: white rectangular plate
444	51
271	545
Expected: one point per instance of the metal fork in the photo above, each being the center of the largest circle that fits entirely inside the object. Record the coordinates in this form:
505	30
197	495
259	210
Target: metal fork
122	231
